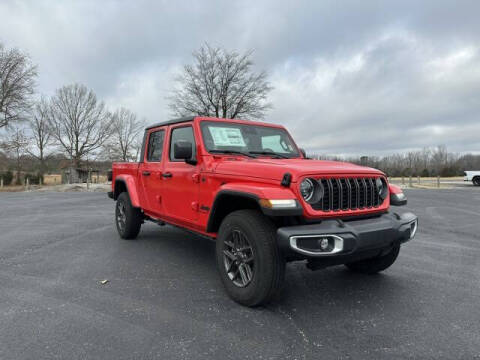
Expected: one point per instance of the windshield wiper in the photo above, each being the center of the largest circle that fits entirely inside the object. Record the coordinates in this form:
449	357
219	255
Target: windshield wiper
215	151
269	153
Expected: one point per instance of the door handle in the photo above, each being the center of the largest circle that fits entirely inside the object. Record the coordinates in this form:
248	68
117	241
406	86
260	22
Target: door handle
146	173
167	175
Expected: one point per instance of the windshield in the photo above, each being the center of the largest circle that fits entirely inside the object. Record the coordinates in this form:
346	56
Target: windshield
250	140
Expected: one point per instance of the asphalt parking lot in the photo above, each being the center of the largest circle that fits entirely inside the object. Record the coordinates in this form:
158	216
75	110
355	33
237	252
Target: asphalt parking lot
164	299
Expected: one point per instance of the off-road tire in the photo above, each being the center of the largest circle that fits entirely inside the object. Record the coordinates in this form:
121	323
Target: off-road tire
268	263
476	181
375	265
133	217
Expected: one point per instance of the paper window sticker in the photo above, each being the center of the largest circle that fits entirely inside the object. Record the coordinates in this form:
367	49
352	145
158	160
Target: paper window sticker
223	136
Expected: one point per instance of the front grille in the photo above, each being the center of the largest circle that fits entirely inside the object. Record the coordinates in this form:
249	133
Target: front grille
348	194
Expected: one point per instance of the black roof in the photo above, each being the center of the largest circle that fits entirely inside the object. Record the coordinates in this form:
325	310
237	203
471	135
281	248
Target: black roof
170	122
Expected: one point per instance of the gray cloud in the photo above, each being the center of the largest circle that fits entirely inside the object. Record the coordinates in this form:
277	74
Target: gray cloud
350	77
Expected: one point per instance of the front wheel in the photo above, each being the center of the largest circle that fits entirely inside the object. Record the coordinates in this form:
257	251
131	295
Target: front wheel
476	181
127	218
248	260
375	265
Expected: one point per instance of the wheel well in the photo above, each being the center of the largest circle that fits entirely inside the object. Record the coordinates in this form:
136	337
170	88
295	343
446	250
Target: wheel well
224	204
120	187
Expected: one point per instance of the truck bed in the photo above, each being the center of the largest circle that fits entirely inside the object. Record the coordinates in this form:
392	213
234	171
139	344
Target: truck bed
130	168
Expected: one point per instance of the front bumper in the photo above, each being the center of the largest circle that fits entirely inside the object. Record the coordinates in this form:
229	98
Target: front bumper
339	242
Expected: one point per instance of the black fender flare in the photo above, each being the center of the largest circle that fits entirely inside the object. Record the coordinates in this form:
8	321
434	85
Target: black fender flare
248	200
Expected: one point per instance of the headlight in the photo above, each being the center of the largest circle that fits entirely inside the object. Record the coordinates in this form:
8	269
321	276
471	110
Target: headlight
381	188
306	189
311	190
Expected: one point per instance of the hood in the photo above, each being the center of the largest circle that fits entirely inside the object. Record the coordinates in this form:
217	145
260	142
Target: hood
274	169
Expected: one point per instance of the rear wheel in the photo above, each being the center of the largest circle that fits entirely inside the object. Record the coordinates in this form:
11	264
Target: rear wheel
250	265
476	181
375	265
127	218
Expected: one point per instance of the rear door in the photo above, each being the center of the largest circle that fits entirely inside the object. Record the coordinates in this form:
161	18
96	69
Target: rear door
180	180
151	170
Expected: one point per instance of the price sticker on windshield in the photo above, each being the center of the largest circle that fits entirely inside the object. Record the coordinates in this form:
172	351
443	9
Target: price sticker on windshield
223	136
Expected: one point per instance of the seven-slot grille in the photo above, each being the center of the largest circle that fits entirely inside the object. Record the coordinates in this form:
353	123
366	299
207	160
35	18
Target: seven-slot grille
348	194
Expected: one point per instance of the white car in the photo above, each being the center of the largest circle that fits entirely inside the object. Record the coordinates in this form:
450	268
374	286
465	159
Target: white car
473	176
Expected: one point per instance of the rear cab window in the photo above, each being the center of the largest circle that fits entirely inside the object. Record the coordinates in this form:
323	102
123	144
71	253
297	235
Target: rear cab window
155	146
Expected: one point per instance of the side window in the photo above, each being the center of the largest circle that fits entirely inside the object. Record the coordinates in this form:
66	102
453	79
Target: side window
182	133
155	146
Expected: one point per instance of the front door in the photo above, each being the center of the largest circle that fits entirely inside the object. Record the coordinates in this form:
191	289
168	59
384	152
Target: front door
180	180
151	170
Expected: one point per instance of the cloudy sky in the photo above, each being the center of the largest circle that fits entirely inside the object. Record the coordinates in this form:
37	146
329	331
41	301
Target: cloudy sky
350	77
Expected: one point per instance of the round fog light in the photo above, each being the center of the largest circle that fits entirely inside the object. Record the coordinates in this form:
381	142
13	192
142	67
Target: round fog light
324	244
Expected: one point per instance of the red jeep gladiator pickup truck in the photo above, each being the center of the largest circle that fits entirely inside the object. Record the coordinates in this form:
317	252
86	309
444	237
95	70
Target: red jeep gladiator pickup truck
248	186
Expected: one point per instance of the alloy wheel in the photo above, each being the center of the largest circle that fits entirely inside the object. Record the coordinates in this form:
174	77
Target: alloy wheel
121	216
238	258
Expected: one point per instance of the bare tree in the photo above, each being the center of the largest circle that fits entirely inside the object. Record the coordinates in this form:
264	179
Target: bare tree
79	123
42	136
17	146
17	82
439	158
126	130
425	156
221	84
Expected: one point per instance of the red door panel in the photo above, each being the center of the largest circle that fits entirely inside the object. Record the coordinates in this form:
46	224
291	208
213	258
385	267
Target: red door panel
180	186
150	171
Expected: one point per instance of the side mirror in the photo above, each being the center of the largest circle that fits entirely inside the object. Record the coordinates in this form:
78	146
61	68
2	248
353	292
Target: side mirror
182	149
303	152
